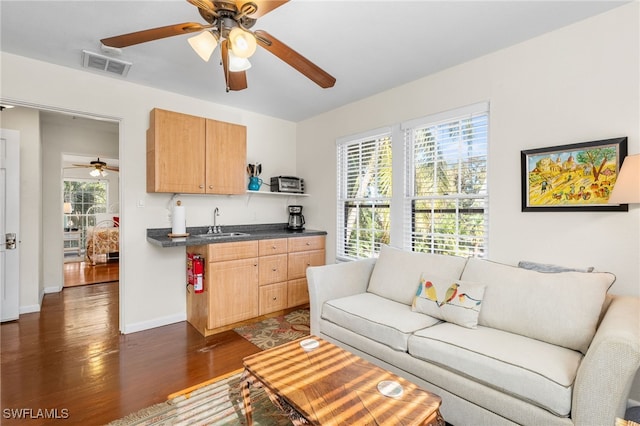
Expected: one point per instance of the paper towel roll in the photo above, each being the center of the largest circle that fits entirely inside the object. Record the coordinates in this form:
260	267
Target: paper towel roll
179	220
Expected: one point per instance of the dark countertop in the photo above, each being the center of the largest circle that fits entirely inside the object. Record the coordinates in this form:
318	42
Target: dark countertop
160	236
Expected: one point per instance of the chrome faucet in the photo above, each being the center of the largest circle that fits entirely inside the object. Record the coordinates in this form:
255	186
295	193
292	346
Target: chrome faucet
216	228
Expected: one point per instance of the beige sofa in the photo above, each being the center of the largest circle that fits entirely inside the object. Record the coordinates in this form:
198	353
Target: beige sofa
501	345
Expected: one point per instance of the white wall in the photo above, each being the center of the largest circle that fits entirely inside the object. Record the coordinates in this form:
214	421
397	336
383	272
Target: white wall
27	122
577	84
152	278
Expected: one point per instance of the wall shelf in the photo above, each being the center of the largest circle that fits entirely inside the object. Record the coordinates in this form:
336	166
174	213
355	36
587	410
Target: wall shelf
276	194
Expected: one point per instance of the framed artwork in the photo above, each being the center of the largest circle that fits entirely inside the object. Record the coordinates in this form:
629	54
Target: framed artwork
576	177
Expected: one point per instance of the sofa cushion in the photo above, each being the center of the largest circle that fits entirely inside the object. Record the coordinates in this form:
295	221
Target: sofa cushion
383	320
522	367
561	308
397	272
454	301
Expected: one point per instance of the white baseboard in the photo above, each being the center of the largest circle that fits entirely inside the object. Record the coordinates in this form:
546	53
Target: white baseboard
29	309
52	289
632	403
158	322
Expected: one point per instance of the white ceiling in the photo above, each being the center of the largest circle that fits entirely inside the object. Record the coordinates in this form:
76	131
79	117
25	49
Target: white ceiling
368	46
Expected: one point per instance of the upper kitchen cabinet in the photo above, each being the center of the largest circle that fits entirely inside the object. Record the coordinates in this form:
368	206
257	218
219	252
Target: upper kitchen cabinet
193	155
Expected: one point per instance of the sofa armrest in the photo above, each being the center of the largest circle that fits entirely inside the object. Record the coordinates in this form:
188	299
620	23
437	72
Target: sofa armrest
609	366
333	281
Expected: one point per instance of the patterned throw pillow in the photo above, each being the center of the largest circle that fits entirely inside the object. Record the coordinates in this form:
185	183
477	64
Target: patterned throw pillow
451	300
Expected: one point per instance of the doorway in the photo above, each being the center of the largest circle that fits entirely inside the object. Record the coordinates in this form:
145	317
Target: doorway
91	220
48	133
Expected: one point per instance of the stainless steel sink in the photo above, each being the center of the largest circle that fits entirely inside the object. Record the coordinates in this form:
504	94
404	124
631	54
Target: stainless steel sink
220	235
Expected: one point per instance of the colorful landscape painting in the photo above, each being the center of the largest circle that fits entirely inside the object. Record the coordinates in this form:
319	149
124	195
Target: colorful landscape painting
578	175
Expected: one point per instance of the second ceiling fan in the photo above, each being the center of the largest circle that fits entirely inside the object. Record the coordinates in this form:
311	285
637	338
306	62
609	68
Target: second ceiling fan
229	24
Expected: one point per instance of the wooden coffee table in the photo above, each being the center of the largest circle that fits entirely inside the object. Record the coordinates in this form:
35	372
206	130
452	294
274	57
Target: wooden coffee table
330	386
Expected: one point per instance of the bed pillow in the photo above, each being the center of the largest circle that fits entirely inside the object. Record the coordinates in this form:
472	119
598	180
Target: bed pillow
451	300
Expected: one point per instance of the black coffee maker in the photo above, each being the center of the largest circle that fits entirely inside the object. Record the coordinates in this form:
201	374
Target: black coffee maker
296	219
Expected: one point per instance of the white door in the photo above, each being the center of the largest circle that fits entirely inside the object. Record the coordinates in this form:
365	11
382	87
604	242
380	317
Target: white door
9	224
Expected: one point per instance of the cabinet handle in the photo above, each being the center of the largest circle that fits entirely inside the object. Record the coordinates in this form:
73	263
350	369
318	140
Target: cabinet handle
274	269
308	264
308	243
275	298
255	264
273	247
210	186
201	186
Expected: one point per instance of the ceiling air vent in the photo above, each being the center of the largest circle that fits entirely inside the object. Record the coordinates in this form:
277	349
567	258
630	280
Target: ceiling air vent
105	63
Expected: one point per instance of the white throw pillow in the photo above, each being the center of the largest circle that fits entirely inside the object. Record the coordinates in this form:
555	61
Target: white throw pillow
451	300
396	272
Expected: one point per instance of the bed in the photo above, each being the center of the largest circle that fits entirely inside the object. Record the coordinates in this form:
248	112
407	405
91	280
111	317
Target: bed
103	240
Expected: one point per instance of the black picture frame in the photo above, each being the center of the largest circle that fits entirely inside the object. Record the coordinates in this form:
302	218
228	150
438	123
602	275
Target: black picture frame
573	177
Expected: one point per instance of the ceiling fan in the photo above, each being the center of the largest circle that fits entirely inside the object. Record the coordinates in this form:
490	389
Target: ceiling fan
98	167
230	23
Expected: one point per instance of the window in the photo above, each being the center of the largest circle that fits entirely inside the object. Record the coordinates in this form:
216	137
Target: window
446	196
86	197
364	194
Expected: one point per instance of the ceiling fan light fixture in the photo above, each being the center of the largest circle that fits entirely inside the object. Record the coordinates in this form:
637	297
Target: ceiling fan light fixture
204	44
98	173
243	43
237	64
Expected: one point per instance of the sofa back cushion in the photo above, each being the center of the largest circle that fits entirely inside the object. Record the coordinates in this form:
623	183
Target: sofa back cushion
560	308
397	272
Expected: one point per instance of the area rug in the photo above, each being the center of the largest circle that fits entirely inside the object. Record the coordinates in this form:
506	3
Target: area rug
276	331
214	402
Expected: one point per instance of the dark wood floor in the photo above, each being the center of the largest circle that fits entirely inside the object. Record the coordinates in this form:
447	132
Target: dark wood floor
70	357
82	273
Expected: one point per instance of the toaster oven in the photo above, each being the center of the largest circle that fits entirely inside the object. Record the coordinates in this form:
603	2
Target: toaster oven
287	184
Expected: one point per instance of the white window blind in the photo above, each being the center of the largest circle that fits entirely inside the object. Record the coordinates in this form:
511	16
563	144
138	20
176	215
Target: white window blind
364	194
446	195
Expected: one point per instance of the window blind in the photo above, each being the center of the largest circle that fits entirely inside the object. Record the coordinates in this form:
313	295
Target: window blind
446	194
364	194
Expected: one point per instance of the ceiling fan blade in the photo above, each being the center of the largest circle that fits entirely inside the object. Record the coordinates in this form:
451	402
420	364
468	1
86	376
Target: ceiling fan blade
296	60
113	169
204	4
91	166
235	80
264	6
144	36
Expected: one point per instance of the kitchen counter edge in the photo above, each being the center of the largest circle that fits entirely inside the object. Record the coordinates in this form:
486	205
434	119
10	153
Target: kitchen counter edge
160	236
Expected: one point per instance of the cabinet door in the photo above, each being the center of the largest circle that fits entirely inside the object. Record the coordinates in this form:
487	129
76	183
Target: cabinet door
300	261
272	269
226	158
175	147
297	292
273	297
233	295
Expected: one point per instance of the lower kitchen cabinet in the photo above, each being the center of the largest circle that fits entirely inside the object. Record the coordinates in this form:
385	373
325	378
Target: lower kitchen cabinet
233	291
245	280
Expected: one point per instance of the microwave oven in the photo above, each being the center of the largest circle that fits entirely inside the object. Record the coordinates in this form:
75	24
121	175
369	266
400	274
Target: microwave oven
287	184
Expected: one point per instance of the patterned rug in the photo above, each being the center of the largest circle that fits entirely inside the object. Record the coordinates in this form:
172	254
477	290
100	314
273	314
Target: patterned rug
275	331
215	402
